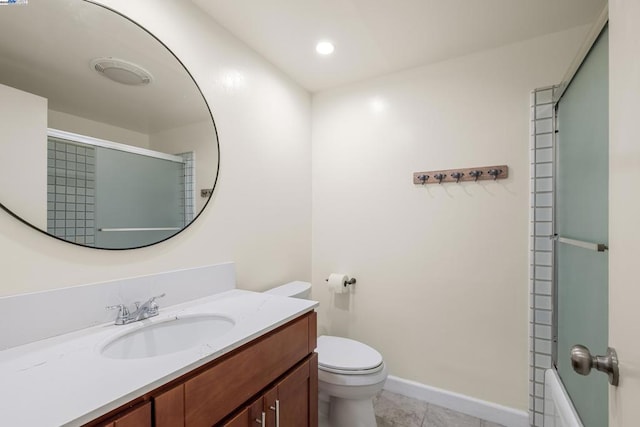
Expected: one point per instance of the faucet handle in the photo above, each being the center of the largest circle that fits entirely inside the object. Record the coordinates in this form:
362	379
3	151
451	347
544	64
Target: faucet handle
162	295
150	302
153	305
121	307
123	313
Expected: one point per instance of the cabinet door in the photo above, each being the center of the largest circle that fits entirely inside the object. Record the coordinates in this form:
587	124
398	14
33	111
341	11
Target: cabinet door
293	396
240	420
140	417
294	401
271	407
169	408
251	416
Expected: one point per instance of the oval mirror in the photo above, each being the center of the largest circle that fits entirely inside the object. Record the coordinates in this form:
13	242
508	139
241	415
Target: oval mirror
107	141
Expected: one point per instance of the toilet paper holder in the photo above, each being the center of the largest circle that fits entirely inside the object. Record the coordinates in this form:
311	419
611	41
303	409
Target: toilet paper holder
351	281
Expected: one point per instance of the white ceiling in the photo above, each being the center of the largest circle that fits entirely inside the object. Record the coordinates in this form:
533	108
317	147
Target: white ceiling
376	37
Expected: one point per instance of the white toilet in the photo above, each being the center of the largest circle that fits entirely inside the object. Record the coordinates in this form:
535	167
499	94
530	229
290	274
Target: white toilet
350	373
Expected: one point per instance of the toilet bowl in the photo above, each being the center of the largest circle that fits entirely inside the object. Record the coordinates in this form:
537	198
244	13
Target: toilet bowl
350	373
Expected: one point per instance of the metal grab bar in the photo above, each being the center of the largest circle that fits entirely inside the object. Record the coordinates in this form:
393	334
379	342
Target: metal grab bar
142	229
598	247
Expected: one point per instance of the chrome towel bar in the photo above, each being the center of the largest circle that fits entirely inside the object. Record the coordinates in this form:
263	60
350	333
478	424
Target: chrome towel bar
142	229
598	247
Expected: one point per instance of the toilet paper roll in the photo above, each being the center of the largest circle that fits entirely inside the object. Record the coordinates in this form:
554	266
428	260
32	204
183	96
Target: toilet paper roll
338	283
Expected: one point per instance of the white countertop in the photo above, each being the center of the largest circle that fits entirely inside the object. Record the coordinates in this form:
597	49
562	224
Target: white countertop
64	381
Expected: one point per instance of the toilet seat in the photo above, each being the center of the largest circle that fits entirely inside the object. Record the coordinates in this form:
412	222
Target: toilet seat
347	357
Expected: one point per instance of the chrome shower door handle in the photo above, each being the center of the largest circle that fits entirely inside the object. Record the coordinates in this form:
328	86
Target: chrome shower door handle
582	362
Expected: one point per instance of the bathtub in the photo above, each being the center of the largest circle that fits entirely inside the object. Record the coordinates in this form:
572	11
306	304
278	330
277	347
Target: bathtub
558	409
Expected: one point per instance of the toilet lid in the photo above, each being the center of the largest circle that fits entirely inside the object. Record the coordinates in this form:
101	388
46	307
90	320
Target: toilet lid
344	354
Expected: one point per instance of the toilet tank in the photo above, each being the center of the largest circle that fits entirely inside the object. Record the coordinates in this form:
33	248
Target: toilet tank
297	289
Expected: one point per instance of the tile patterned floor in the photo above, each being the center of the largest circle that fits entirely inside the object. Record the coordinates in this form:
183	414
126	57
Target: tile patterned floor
394	410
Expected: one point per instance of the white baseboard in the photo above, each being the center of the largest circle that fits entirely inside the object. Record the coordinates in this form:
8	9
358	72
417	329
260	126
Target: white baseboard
493	412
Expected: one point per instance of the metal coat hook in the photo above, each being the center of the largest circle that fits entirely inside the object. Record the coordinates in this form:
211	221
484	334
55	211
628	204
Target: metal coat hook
439	177
475	174
423	178
457	176
494	173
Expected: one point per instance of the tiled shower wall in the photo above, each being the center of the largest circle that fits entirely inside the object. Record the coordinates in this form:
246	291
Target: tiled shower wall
541	330
71	192
189	199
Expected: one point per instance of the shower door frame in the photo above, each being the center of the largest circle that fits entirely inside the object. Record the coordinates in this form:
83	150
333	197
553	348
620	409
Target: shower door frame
592	38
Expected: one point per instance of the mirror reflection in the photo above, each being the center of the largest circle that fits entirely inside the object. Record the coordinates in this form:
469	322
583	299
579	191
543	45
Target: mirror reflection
106	139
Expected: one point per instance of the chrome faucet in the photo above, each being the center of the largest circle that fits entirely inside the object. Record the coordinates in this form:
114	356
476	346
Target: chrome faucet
148	309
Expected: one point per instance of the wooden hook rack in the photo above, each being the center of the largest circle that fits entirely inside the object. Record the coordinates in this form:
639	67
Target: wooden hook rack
484	173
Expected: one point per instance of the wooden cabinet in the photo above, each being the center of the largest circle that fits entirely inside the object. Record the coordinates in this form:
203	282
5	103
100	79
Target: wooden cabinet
215	393
140	416
291	402
169	408
251	415
275	374
297	396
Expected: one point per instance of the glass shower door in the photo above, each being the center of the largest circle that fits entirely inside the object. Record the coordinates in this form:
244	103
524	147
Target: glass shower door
581	219
139	199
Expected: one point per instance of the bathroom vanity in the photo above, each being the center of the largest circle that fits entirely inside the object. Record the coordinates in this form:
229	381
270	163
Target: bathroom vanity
272	379
263	367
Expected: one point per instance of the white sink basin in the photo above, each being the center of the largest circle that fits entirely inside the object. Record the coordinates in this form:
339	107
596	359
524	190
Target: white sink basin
166	336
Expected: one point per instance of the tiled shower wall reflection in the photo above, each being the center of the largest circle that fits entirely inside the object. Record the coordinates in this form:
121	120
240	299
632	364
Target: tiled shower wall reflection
189	199
541	331
71	191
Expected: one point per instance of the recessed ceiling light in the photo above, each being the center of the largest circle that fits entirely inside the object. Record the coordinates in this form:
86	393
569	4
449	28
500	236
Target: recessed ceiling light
122	71
325	48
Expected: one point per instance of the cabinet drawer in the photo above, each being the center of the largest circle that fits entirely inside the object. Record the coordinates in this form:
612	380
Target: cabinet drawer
215	393
140	417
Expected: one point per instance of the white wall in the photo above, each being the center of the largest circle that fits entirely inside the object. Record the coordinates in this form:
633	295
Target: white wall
70	123
199	138
442	279
260	213
624	208
23	141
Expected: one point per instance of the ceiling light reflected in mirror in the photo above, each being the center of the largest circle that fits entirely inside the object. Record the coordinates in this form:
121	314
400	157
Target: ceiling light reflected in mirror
121	71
